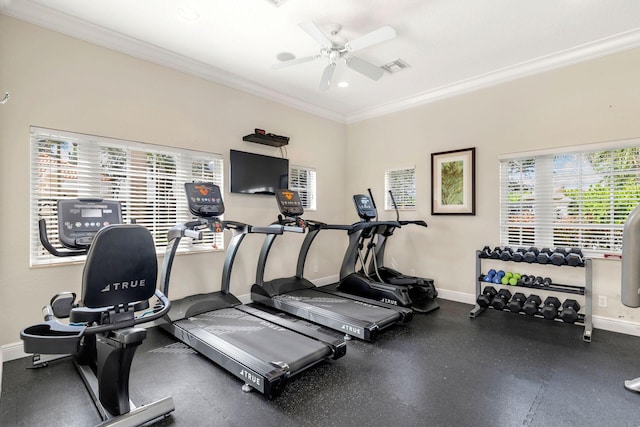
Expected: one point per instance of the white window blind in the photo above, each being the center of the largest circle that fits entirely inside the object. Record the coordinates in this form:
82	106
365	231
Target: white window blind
148	180
579	199
402	183
303	180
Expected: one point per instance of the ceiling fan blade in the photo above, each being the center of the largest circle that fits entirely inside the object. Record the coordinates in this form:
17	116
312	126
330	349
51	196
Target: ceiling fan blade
296	61
315	32
327	75
374	37
364	67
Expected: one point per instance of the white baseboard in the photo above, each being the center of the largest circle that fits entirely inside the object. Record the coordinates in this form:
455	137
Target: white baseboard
616	325
14	351
456	296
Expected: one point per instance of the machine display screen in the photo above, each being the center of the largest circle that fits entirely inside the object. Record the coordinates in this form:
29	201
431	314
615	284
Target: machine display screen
364	206
91	213
289	202
204	198
80	219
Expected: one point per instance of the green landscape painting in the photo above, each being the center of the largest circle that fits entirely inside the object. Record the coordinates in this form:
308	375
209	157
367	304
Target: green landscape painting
452	190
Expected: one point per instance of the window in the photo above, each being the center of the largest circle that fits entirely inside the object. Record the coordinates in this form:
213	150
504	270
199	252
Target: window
402	183
147	179
571	199
303	180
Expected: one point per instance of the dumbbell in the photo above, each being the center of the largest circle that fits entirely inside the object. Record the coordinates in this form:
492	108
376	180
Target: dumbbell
500	301
558	257
550	308
531	255
505	279
569	313
495	254
497	278
575	258
506	254
518	255
488	293
515	279
489	276
518	299
485	252
544	255
527	280
530	306
540	282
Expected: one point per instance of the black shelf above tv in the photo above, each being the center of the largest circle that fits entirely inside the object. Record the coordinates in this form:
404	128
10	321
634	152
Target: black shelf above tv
274	141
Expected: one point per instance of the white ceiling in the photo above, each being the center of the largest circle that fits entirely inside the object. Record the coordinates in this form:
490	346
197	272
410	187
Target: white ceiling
452	46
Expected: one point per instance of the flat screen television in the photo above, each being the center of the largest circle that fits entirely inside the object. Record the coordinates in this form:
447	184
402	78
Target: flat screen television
257	174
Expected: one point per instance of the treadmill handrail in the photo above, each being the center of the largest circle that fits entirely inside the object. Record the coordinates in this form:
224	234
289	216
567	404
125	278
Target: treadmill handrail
194	230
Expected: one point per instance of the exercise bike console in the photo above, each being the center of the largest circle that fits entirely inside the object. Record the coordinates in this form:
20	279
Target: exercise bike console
80	220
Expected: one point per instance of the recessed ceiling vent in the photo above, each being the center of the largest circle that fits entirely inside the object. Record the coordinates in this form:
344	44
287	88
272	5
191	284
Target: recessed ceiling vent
395	66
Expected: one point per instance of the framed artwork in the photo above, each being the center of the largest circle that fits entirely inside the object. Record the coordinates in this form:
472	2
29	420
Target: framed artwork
453	182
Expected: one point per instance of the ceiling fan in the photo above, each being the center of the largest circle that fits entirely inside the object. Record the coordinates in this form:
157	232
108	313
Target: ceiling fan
334	51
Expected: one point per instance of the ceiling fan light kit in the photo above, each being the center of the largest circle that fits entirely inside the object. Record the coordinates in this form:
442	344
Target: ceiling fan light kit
333	52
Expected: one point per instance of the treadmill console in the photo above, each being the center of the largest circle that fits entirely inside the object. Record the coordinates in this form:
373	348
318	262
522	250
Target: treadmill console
365	207
204	198
289	203
80	219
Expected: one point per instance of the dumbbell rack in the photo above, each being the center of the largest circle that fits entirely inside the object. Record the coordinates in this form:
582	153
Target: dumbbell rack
554	287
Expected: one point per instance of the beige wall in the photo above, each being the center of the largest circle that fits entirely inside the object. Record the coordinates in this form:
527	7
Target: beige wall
63	83
60	82
586	103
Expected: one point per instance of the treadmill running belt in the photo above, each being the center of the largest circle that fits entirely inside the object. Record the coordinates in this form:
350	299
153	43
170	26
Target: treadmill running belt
262	339
343	306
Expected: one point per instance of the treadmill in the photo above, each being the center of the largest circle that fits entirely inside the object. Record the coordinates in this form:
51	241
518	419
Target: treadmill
260	348
350	314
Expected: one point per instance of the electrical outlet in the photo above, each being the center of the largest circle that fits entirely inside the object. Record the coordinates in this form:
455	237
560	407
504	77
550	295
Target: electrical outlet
602	301
315	268
412	271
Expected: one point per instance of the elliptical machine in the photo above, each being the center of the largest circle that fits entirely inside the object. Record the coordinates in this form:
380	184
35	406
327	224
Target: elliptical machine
118	280
422	291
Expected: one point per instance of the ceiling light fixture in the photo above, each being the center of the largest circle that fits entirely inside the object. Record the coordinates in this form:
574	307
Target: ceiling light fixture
343	84
188	13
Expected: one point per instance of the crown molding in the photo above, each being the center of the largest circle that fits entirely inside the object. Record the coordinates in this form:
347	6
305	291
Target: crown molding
585	52
42	16
35	13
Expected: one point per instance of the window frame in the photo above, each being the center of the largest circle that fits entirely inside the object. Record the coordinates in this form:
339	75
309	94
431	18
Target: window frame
400	194
549	223
115	169
308	190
